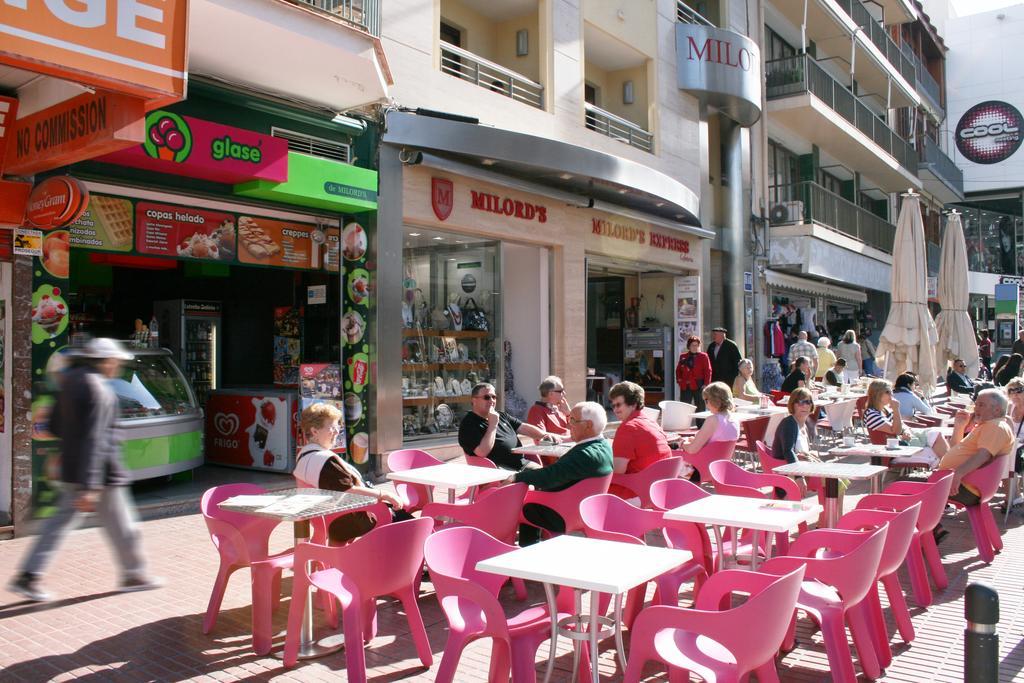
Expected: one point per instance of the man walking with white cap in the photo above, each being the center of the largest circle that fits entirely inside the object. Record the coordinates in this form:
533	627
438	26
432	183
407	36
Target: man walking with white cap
93	475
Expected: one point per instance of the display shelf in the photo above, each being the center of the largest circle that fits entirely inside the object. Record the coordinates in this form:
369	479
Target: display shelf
444	366
455	334
431	400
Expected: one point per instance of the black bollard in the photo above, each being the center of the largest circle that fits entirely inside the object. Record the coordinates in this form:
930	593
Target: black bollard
981	642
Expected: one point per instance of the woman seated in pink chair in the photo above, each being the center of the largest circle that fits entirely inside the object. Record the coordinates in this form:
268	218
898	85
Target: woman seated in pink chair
316	465
721	425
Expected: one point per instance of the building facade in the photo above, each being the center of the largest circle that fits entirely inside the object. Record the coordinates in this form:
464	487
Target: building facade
547	170
854	118
212	237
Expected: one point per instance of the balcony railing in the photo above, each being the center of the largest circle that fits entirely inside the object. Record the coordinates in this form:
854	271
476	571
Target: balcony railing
687	15
617	128
475	69
877	34
926	83
808	202
794	75
364	14
941	165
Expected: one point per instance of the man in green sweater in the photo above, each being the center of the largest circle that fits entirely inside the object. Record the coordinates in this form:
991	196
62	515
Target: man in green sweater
590	457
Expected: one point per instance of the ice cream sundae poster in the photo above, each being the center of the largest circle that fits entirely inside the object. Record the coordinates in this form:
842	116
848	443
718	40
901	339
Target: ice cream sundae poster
50	317
250	431
357	353
183	232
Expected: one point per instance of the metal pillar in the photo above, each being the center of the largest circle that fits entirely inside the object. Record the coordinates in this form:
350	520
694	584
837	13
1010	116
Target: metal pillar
734	224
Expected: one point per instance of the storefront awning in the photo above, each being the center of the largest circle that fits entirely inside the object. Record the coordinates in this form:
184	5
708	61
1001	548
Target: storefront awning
592	175
320	184
799	284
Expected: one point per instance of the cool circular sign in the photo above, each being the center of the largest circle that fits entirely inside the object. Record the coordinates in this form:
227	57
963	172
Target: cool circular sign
989	132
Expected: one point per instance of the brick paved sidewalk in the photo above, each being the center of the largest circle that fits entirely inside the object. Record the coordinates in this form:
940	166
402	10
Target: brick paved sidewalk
95	634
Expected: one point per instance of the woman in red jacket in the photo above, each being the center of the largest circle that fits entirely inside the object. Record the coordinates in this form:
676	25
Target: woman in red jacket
693	373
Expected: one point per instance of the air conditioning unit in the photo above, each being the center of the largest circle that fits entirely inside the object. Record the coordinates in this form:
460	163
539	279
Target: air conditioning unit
787	212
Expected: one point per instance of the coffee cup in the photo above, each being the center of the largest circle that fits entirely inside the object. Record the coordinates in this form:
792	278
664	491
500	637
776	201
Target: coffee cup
849	441
892	443
360	447
353	408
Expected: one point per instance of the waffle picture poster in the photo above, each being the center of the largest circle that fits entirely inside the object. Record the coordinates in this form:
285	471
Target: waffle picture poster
122	224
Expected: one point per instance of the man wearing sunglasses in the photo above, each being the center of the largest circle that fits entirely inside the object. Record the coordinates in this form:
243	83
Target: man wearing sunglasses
487	433
958	381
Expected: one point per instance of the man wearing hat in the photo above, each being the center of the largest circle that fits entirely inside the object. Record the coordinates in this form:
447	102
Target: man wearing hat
93	475
725	357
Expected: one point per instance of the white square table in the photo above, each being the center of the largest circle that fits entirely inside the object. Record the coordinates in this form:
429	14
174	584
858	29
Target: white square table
451	476
877	452
586	564
737	512
545	450
337	501
832	472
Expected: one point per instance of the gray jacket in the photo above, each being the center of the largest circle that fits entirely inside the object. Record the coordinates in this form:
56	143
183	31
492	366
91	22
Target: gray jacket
83	417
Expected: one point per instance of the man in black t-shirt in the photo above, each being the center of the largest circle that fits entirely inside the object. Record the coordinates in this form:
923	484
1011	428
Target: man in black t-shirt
486	433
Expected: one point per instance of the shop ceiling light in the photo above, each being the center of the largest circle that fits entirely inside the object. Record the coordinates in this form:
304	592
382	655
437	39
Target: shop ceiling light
414	234
438	238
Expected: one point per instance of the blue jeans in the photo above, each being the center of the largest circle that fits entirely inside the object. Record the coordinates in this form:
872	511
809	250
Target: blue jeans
869	367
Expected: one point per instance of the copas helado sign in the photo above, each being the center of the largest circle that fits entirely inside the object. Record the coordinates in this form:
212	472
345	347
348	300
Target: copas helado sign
130	46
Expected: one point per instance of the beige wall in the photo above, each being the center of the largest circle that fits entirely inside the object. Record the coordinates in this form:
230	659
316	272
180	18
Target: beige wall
569	232
611	84
504	49
410	36
637	27
496	41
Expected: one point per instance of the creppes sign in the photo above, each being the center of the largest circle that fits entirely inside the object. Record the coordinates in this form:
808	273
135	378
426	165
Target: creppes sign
136	47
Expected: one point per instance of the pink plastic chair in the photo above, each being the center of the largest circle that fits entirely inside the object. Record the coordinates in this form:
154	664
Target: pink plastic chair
988	480
768	461
732	480
713	640
413	496
901	529
385	561
640	482
242	541
469	601
567	501
833	587
672	493
923	555
496	513
709	453
608	517
477	461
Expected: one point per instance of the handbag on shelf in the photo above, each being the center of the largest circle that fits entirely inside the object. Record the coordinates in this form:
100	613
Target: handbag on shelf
473	317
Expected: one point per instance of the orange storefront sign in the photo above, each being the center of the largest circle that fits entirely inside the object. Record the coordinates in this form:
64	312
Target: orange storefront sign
8	112
129	46
84	127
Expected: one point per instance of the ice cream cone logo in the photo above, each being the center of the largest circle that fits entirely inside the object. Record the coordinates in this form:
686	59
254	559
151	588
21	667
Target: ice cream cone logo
168	137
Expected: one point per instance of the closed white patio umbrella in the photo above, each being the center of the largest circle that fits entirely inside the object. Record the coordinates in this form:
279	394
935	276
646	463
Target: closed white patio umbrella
956	332
909	339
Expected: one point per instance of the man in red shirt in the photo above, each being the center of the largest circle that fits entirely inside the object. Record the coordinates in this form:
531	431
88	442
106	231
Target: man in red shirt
639	441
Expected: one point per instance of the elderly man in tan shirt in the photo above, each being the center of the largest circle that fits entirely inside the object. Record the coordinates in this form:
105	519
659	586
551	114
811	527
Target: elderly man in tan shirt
991	438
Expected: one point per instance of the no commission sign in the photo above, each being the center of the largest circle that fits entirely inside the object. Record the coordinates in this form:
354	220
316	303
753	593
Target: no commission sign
989	132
